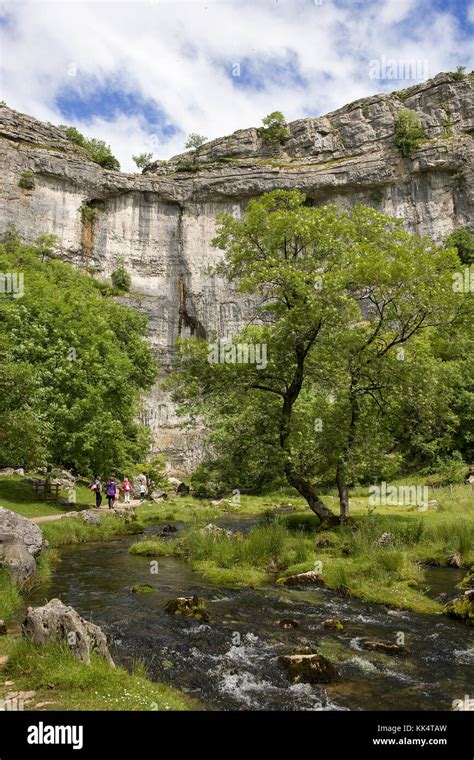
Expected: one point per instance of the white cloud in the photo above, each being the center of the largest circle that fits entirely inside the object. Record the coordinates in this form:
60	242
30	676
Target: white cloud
175	54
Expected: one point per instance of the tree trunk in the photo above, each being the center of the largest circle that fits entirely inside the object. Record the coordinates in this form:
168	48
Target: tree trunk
343	492
315	503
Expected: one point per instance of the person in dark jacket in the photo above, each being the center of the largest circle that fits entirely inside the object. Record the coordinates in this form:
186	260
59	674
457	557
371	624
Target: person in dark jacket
110	492
98	492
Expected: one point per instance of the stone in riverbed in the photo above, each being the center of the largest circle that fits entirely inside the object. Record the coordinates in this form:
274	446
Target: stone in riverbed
310	578
57	622
188	606
288	623
332	624
308	666
382	646
142	588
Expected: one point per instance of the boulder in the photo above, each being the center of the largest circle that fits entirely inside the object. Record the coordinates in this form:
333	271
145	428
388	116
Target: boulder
310	578
383	646
216	531
159	495
57	622
3	628
138	480
189	606
461	608
21	540
308	666
385	539
288	623
7	471
178	486
455	560
168	528
332	624
89	517
126	514
19	471
143	588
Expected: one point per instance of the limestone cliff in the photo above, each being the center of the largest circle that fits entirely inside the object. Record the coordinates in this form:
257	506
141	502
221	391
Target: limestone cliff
161	223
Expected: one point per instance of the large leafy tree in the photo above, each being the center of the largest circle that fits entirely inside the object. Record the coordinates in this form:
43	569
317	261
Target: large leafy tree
347	305
74	364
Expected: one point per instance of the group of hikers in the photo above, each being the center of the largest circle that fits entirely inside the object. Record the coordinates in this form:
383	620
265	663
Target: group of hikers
112	491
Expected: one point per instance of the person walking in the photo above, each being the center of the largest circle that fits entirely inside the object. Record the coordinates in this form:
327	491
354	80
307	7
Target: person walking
117	495
142	492
127	489
110	492
98	492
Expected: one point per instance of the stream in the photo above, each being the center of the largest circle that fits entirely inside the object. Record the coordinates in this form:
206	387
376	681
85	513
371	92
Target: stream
231	663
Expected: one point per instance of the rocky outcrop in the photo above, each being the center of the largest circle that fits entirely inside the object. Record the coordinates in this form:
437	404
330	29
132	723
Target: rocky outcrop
161	223
383	646
461	607
21	540
310	578
308	666
57	622
188	606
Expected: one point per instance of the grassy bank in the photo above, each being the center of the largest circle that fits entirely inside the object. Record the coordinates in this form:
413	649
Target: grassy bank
349	559
67	684
20	497
71	530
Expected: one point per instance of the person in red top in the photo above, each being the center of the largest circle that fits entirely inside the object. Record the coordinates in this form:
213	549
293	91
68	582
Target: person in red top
127	490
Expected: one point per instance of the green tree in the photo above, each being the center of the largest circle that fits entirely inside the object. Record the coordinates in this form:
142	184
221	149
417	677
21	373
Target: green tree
463	241
341	294
275	128
74	365
143	160
195	141
98	150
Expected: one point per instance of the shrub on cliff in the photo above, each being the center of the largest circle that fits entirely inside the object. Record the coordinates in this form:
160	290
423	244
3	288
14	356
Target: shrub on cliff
98	150
409	131
275	129
73	366
121	279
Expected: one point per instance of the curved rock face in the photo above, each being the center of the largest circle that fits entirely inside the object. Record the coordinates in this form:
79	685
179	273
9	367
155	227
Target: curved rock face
162	222
56	622
21	540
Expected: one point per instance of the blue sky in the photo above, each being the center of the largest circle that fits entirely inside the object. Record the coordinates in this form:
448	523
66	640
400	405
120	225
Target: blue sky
142	75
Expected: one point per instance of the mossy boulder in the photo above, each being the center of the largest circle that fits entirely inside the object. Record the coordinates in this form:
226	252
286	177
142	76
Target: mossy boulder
288	623
461	608
142	588
308	666
189	606
333	625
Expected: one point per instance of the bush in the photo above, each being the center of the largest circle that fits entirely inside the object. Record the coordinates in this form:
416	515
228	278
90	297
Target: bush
121	279
206	482
98	150
463	241
409	131
275	128
27	180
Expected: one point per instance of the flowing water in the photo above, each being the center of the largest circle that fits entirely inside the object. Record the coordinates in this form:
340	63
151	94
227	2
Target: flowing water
231	663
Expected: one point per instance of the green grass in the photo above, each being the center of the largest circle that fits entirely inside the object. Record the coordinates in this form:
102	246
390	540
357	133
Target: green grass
155	548
20	497
10	598
57	676
71	530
